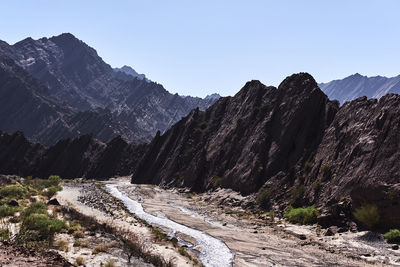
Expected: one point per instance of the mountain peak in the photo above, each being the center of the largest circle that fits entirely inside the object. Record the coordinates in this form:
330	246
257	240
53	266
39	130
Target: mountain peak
130	71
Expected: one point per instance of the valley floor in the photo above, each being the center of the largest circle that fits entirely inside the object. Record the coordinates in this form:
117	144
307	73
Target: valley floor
254	240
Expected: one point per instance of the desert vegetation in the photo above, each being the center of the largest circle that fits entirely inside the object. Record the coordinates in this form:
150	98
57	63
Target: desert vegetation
368	215
306	215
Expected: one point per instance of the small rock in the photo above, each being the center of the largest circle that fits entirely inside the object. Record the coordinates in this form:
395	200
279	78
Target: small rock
255	232
395	247
224	224
302	237
13	202
331	231
54	202
263	248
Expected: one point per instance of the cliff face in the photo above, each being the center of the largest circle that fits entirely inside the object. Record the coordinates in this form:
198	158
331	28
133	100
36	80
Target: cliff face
241	141
362	149
70	158
290	144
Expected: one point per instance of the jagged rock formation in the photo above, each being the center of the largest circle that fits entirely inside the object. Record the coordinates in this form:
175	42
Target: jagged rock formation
80	82
358	85
291	145
241	141
70	158
362	150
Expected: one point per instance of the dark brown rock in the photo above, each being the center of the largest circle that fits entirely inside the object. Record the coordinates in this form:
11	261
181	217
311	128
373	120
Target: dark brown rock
333	230
242	141
13	202
70	158
53	202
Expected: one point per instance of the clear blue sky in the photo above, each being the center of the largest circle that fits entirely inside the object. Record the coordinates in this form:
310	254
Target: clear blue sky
200	47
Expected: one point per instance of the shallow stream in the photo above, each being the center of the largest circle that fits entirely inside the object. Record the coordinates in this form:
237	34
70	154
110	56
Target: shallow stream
211	251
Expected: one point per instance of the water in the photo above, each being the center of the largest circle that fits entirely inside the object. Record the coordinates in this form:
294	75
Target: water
212	252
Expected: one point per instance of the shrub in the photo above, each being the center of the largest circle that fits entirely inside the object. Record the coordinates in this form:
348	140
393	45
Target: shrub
109	264
307	215
263	198
78	234
160	236
368	215
52	190
39	227
12	191
6	211
216	182
62	245
54	180
81	243
4	234
183	252
35	208
393	236
79	261
100	248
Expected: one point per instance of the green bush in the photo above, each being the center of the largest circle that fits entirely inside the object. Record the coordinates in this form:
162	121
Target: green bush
12	191
307	215
393	236
6	211
39	227
35	208
54	180
4	234
368	215
263	198
52	190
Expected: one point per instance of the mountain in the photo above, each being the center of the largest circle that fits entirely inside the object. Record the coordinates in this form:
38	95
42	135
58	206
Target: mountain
26	105
80	82
70	158
291	145
358	85
129	71
240	141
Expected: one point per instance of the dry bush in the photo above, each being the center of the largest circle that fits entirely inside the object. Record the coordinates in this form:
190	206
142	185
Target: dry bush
62	245
79	261
100	248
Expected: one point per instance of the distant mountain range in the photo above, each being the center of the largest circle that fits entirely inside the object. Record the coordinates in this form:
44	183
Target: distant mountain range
58	87
358	85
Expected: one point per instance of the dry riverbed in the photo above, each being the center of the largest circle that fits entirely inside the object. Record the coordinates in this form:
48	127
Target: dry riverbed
254	240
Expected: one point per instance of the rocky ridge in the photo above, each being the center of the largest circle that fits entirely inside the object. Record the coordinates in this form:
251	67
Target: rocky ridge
83	156
80	82
357	85
290	144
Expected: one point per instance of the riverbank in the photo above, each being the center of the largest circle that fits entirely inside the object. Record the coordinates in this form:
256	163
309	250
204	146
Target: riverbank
254	239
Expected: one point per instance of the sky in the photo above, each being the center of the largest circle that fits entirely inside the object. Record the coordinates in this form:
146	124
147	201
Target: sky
202	47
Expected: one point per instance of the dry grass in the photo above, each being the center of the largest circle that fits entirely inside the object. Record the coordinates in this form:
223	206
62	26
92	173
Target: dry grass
62	245
79	261
100	248
110	264
81	243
